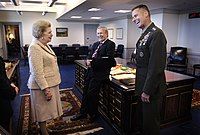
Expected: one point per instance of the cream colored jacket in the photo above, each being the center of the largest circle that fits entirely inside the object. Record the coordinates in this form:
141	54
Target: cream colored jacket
44	71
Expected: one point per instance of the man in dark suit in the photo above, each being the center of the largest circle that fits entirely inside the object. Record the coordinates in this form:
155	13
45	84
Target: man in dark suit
7	93
150	76
99	62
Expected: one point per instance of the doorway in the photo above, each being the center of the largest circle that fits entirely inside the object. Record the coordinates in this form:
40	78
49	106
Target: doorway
90	34
12	39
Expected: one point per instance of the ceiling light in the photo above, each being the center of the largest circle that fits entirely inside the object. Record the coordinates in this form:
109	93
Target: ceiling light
122	11
94	9
95	17
15	2
76	17
33	1
44	13
20	12
51	2
3	4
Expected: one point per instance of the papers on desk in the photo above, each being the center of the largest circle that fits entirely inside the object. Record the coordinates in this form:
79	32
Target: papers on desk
119	69
123	74
127	79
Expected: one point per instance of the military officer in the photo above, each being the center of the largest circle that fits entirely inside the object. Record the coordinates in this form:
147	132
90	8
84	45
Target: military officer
150	77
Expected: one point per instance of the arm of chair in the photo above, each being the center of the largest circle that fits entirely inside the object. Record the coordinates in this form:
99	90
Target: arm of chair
186	61
177	65
169	59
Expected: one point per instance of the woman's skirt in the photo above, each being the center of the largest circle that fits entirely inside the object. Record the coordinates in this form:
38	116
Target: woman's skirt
43	110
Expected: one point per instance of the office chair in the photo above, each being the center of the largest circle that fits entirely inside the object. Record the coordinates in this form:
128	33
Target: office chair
70	53
83	52
59	53
76	45
177	60
132	62
63	46
195	67
119	51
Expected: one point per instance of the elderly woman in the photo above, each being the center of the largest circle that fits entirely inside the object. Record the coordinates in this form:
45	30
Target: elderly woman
44	77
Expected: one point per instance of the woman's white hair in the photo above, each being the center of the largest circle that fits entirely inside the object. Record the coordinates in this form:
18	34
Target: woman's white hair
39	28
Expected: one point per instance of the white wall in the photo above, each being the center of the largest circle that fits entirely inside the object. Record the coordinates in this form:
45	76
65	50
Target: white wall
157	19
188	33
75	30
133	34
188	36
170	28
179	30
118	24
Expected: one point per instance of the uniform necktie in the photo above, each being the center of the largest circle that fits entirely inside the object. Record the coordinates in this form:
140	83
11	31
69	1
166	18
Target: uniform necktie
95	52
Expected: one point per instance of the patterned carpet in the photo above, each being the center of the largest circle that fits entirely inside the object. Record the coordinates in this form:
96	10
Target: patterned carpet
71	105
196	98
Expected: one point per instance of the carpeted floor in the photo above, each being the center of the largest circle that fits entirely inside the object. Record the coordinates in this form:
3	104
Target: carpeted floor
196	98
61	126
68	79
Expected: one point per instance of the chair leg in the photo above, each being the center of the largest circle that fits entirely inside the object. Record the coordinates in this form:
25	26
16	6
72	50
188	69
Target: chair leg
194	72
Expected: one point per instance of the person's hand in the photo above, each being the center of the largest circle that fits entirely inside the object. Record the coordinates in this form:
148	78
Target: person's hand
88	63
47	94
15	87
17	90
145	97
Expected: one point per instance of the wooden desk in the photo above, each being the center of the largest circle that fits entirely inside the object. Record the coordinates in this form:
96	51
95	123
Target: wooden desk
13	73
118	102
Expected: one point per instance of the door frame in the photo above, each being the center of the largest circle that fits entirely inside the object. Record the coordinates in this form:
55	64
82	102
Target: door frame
3	36
91	35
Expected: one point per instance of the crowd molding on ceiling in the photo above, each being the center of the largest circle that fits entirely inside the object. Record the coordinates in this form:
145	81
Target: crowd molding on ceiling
69	6
15	2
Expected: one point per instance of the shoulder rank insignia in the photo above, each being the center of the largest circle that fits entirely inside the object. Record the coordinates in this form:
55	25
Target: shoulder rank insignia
154	29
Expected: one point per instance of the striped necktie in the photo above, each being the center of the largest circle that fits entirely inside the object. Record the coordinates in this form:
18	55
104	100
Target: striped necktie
95	52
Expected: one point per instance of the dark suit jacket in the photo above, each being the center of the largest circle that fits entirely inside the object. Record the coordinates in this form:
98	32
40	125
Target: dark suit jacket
102	64
150	62
7	92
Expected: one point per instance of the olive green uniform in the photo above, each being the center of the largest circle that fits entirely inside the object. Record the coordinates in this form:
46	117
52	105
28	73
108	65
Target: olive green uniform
150	77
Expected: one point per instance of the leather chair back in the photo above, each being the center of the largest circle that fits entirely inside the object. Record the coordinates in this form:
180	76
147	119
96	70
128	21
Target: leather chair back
177	60
76	45
119	51
178	55
83	52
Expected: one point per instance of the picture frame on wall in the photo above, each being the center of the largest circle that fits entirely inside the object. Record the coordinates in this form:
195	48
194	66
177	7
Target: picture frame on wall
110	33
119	33
61	32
